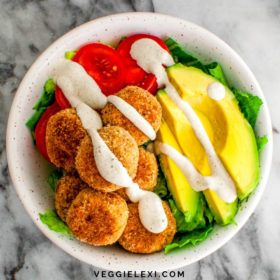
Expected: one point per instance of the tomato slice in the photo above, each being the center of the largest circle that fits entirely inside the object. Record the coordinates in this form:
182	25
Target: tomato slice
104	65
61	99
40	130
134	74
150	83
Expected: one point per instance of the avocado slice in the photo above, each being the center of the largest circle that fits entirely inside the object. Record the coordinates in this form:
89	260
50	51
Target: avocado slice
182	130
233	137
186	199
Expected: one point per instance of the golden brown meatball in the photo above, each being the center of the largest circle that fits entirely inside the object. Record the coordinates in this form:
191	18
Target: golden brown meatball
124	147
145	103
122	193
67	189
147	171
138	239
97	218
63	135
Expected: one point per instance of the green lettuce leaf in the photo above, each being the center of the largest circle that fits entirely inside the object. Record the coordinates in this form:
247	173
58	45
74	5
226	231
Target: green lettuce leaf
33	120
187	223
146	144
208	214
190	238
40	107
47	97
122	38
183	221
51	219
179	55
55	177
215	70
261	142
70	54
249	105
161	187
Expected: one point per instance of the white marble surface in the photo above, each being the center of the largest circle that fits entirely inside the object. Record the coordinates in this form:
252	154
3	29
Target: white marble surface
251	27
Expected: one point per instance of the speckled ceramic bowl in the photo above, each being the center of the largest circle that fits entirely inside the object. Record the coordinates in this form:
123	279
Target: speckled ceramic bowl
29	171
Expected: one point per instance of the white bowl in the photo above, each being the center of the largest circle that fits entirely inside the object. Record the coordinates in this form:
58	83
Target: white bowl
29	171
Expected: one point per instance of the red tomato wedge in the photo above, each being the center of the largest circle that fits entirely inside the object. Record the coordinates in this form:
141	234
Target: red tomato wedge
104	65
61	99
134	74
40	130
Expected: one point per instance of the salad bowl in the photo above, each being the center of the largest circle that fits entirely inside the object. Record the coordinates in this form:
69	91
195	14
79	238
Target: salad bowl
29	171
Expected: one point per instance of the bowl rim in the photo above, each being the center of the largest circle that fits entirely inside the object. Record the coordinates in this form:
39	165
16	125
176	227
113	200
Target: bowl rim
268	124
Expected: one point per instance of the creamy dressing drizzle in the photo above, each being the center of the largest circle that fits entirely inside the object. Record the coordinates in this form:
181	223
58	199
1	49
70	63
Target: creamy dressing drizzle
130	113
216	91
150	56
84	94
77	85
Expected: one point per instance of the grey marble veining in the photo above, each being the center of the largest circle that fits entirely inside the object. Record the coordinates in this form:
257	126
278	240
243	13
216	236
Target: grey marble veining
251	27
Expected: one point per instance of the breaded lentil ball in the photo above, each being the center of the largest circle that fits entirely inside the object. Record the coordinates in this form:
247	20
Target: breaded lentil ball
63	136
144	103
147	171
137	239
123	146
67	189
97	218
122	193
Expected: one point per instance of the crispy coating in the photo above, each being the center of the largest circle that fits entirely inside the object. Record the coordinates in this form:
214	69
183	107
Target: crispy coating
146	176
97	218
67	189
147	171
145	103
122	193
63	135
137	239
124	147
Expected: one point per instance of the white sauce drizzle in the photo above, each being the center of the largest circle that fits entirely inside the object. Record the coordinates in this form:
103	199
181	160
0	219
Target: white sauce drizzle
150	56
151	202
217	181
90	118
130	113
83	93
216	91
77	85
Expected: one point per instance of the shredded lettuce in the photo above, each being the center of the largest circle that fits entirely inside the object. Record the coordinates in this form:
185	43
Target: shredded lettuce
122	38
34	119
249	105
185	222
208	214
55	177
51	219
215	70
261	142
179	55
192	237
161	187
47	97
146	144
70	54
40	107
